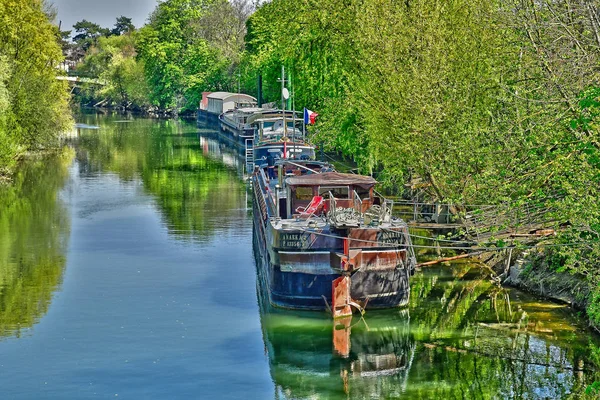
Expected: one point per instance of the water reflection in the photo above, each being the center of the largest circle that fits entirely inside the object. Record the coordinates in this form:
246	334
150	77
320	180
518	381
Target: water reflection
34	231
310	356
214	146
461	337
478	340
195	191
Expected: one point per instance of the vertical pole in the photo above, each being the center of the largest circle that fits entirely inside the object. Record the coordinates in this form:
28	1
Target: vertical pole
277	197
283	102
259	98
293	118
282	87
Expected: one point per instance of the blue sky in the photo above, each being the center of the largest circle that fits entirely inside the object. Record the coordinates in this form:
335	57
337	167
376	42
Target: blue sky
104	12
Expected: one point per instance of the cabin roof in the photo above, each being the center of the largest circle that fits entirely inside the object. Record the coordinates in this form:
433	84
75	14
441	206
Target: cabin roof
227	95
245	110
331	178
274	114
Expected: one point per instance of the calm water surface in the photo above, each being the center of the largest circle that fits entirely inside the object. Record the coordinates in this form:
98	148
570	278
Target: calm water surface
127	271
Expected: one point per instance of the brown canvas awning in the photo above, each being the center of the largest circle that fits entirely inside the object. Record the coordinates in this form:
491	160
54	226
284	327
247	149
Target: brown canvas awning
331	179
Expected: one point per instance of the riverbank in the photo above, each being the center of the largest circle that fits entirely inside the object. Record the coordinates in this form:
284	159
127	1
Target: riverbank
7	174
530	271
103	107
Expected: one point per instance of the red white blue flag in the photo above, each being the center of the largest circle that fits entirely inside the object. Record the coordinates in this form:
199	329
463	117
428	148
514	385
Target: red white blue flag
309	116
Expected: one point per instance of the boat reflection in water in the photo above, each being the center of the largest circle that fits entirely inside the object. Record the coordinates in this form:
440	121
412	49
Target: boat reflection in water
310	355
226	152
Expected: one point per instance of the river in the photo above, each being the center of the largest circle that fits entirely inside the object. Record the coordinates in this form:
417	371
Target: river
127	271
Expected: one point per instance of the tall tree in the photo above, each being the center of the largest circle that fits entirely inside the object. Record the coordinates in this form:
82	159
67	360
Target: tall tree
113	60
178	61
87	35
123	25
35	105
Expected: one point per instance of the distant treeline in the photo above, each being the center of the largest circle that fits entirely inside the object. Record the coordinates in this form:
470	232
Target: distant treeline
187	47
33	104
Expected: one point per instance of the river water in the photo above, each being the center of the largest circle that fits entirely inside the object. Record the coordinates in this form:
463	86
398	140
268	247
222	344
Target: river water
127	271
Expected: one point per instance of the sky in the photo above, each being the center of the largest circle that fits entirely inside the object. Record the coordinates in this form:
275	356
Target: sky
102	12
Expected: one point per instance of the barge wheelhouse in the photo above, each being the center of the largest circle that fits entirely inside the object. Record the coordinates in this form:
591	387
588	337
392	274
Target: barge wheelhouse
214	104
234	123
326	235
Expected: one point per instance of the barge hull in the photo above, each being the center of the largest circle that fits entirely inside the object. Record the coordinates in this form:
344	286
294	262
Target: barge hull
306	282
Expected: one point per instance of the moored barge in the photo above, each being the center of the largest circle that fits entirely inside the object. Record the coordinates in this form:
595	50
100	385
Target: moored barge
213	104
329	239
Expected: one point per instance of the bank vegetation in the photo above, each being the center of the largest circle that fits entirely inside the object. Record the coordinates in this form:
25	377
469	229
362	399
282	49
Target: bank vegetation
34	106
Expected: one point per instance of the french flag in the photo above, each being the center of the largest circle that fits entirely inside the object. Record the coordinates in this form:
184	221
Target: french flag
309	116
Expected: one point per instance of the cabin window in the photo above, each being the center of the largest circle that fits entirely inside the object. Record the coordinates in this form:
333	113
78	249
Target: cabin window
362	193
338	192
304	193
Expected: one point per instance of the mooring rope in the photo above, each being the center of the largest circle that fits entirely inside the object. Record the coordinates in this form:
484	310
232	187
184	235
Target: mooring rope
416	246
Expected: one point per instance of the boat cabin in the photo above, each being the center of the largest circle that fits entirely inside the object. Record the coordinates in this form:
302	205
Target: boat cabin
318	193
276	128
219	102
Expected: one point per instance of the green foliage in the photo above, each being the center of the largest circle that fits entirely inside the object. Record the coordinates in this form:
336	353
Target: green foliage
593	309
34	104
594	388
179	63
34	231
8	147
88	34
113	61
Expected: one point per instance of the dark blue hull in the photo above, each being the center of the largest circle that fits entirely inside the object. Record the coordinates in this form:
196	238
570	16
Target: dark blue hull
233	133
307	291
313	291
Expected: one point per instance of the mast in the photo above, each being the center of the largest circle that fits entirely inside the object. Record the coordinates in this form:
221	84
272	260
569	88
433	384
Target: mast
293	116
282	87
283	102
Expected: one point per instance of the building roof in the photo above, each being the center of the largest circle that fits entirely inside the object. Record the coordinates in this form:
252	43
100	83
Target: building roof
227	95
331	178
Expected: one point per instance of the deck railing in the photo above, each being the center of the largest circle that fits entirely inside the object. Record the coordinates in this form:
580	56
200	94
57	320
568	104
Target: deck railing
266	202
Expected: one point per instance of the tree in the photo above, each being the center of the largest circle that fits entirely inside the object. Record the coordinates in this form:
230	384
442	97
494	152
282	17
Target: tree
177	60
88	34
224	26
34	103
113	60
122	26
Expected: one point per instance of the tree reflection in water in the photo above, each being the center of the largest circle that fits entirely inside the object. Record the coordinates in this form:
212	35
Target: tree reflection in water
34	230
193	191
461	337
